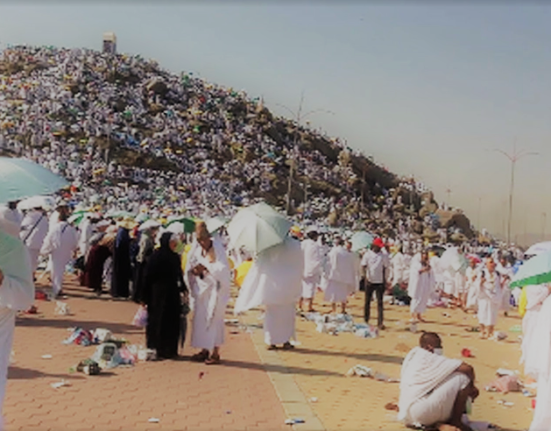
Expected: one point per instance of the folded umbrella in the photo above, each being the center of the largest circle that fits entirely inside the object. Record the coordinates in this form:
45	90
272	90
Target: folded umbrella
21	178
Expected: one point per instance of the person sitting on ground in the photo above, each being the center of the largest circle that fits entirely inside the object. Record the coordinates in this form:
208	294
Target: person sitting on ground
434	390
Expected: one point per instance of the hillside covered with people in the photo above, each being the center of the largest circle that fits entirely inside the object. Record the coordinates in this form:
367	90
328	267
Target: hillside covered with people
126	132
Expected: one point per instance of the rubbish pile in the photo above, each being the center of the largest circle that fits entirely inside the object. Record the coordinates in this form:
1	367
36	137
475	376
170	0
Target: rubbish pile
110	352
363	371
508	381
336	323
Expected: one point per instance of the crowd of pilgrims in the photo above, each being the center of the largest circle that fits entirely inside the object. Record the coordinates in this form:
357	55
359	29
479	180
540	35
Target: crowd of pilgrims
170	274
116	254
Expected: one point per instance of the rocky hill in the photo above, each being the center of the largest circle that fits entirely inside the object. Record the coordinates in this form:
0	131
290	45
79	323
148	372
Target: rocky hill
143	116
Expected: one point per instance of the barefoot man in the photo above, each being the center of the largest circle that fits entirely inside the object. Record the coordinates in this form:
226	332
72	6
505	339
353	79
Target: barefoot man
434	390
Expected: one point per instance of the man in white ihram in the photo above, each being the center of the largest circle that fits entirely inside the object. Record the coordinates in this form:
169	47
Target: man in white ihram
342	276
274	281
541	343
16	293
313	268
435	390
60	244
11	217
421	284
209	280
34	229
535	297
489	288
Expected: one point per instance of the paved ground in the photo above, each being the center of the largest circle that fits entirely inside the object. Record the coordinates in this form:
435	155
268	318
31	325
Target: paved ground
354	403
253	389
232	396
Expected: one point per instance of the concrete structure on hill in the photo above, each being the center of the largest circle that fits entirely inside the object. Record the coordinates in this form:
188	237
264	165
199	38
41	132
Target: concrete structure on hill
109	43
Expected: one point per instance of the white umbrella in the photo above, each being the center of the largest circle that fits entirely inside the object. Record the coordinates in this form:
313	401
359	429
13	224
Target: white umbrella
149	224
539	248
177	228
44	202
257	228
453	261
215	223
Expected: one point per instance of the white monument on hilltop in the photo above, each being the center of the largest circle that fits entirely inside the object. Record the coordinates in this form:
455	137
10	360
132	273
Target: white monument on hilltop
109	43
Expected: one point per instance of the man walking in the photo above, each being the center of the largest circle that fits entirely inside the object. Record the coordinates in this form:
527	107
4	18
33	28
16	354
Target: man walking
376	265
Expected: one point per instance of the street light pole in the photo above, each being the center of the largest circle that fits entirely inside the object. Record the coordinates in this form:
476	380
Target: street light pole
543	226
513	158
298	116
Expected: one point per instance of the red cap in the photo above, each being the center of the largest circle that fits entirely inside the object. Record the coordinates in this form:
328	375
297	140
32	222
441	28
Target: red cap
378	242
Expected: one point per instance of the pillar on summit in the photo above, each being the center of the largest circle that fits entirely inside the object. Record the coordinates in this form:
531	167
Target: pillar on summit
109	43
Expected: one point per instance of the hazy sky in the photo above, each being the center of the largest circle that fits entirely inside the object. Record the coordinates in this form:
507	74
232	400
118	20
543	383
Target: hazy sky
426	89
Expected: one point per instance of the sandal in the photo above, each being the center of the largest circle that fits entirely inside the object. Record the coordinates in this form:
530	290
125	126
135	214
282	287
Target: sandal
213	360
272	347
203	355
288	346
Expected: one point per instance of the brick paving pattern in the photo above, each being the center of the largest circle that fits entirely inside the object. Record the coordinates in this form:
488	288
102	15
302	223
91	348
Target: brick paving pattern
236	395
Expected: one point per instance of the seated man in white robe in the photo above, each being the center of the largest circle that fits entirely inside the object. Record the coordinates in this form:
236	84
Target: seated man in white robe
343	276
434	390
421	284
274	281
16	293
209	280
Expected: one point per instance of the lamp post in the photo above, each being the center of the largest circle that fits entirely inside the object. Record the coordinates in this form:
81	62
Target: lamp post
298	116
544	222
514	157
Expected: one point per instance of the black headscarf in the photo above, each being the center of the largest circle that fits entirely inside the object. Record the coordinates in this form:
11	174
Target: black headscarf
165	242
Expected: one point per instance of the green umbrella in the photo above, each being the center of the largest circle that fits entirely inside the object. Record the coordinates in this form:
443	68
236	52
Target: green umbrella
534	271
187	222
21	178
257	228
361	240
77	217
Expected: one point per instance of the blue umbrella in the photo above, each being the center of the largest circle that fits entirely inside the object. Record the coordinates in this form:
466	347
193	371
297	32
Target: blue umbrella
21	178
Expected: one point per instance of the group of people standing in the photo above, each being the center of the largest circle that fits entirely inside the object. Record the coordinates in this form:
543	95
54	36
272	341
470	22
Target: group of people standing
148	261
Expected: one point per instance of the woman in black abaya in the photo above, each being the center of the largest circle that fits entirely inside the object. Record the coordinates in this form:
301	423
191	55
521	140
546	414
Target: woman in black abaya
120	279
162	290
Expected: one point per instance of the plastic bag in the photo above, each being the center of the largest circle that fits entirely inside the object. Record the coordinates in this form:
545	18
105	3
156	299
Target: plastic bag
140	318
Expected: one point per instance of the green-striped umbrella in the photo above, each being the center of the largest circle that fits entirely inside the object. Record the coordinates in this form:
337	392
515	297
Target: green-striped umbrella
534	271
187	222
